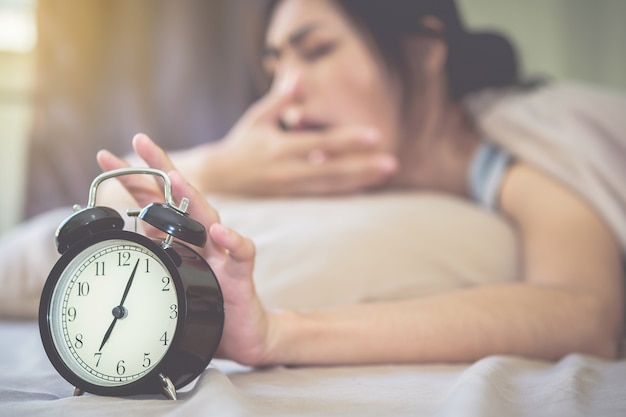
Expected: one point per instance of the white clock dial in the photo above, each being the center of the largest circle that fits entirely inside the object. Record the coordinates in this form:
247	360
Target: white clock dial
118	310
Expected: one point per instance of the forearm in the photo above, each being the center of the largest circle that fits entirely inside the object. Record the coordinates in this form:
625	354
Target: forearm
465	326
201	166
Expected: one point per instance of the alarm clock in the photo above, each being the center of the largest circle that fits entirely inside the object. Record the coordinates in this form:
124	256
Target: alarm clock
123	314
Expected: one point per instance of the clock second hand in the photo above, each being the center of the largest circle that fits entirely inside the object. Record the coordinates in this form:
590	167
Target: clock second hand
119	311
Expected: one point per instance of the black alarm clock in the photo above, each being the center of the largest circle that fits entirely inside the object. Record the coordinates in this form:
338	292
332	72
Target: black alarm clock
123	314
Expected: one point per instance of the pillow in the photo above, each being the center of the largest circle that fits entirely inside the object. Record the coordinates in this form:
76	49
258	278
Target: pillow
27	254
314	252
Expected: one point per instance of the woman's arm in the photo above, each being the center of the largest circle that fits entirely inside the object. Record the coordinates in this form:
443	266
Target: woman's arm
570	300
508	319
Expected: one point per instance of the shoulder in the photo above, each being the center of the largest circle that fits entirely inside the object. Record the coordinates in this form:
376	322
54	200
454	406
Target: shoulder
529	195
573	134
560	98
561	233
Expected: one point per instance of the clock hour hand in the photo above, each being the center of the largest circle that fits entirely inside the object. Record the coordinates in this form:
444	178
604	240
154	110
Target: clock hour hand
108	333
119	311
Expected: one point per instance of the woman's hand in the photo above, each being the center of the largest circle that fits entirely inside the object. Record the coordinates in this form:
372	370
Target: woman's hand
247	331
257	157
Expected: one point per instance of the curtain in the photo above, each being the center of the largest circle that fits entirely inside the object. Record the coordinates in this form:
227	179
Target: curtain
179	70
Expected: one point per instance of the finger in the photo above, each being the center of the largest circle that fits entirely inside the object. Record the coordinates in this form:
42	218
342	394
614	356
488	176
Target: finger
143	189
241	249
151	153
348	139
108	162
349	174
199	208
336	141
270	106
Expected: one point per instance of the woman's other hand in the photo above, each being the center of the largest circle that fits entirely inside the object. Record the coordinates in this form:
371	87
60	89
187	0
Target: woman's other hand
258	157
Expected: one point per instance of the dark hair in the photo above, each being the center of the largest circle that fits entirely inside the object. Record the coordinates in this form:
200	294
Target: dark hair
475	60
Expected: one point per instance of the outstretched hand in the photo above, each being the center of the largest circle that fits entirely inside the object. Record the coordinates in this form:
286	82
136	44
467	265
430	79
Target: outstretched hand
247	330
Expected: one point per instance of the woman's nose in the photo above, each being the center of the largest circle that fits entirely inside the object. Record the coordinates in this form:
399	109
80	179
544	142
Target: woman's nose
289	82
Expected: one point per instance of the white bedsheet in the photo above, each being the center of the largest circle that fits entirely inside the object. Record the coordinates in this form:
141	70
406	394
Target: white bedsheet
440	244
495	386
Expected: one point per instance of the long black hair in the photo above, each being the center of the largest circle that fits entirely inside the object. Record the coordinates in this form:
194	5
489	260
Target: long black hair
475	60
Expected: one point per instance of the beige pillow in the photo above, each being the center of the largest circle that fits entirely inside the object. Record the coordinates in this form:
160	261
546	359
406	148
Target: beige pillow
27	254
329	251
318	252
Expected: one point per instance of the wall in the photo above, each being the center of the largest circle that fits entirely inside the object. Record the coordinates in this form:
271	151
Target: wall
565	39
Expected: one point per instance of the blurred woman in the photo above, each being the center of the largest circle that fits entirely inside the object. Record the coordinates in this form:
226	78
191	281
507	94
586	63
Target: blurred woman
371	95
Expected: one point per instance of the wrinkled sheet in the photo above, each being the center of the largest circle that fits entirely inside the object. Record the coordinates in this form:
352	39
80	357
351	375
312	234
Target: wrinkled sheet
495	386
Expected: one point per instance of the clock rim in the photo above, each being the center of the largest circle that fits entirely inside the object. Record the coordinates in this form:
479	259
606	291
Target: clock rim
148	383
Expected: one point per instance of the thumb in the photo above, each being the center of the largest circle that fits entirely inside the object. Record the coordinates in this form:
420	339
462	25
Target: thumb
240	248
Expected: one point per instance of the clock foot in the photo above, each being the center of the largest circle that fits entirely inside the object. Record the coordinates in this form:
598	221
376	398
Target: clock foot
168	388
78	392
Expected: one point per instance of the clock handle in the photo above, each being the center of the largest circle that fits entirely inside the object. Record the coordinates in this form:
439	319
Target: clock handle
167	183
168	218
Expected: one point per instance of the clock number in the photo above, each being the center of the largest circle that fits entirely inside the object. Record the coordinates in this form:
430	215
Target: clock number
78	341
164	339
120	368
99	356
147	265
174	311
123	259
146	360
71	313
166	283
83	289
99	269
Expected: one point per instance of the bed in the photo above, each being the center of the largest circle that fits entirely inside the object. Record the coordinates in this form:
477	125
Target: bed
314	252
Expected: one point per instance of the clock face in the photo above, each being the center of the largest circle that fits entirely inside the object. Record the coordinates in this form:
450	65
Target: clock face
113	312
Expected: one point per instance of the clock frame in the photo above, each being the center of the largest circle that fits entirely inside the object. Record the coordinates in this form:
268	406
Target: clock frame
200	302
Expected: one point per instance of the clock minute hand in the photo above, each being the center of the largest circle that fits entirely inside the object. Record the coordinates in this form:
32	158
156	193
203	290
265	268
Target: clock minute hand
129	283
118	312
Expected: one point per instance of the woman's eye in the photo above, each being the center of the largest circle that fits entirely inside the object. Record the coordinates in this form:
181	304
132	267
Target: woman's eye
318	51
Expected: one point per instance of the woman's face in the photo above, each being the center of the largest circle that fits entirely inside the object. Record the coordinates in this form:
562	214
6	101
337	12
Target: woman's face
339	79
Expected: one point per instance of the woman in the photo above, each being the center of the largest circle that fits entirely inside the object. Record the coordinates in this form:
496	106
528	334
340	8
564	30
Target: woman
346	114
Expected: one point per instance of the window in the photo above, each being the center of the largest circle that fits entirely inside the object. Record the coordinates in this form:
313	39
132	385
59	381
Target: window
17	74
